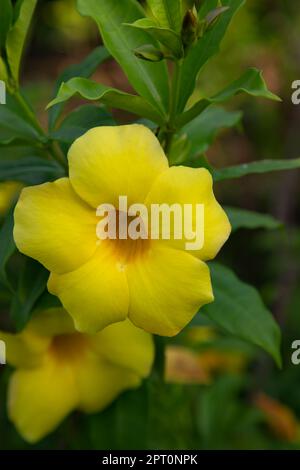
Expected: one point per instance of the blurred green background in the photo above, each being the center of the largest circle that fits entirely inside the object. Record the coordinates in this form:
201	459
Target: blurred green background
220	393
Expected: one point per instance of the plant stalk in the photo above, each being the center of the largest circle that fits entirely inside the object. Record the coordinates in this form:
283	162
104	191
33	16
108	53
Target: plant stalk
59	157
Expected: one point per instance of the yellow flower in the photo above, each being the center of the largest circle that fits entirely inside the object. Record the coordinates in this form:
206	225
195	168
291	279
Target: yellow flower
59	370
183	365
8	191
156	283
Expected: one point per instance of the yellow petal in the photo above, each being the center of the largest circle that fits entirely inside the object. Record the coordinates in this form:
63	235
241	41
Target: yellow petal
183	185
167	287
125	345
108	162
95	295
25	349
100	382
40	398
54	226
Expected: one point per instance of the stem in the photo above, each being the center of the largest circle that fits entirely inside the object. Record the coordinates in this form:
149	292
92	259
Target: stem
58	155
54	151
169	131
175	82
28	111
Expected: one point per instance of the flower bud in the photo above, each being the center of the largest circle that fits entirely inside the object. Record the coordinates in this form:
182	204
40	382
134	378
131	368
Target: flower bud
189	29
149	53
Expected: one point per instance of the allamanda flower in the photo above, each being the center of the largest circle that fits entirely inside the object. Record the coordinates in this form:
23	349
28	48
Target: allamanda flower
59	370
157	284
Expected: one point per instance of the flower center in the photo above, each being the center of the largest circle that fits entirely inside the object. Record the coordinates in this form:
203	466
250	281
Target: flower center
69	346
122	245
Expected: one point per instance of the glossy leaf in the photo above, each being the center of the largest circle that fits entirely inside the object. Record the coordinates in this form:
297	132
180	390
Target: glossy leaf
180	149
251	82
167	12
80	121
204	49
84	69
203	130
200	161
46	301
239	310
15	151
15	128
17	35
187	5
7	245
3	70
5	20
206	7
29	170
170	39
31	285
259	167
241	218
91	90
214	15
150	80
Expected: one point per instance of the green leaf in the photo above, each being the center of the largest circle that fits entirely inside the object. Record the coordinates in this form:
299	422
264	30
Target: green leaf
16	151
251	82
5	20
200	161
241	218
167	12
206	47
91	90
46	301
203	130
150	80
259	167
14	128
29	170
214	15
17	35
80	121
31	285
206	7
188	5
84	69
239	310
179	150
7	245
3	71
167	37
